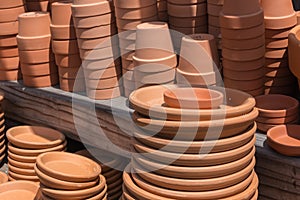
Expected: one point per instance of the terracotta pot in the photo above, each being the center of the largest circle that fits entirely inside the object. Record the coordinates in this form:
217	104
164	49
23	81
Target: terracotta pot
8	41
150	68
92	9
189	30
102	73
11	14
293	47
9	52
63	32
188	21
38	69
40	81
235	7
244	85
196	79
244	75
243	55
10	75
67	61
9	28
72	85
92	21
243	34
101	64
99	54
104	94
188	10
97	43
278	72
103	83
43	6
244	44
19	189
96	32
12	4
134	13
277	34
279	81
35	57
284	139
65	47
9	63
3	178
70	73
28	21
61	13
34	43
131	24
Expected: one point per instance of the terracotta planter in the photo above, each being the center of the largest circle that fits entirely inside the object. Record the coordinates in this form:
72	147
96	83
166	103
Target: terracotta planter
277	34
63	32
36	57
29	21
244	75
34	43
9	52
65	47
12	4
70	73
244	44
131	24
92	21
102	73
242	34
103	83
188	21
104	94
243	55
38	69
91	9
67	61
134	13
213	21
293	47
9	63
61	13
9	28
169	62
19	189
276	44
8	41
96	32
72	85
10	75
11	14
188	10
40	81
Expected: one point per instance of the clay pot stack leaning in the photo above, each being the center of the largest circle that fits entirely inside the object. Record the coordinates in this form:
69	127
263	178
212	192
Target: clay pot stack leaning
154	59
205	153
65	48
198	61
9	56
278	23
242	29
69	176
276	109
25	144
25	190
2	132
109	164
129	14
95	26
34	43
293	49
162	9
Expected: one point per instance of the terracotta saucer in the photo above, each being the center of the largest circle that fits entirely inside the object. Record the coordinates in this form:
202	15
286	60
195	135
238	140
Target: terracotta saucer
25	172
237	103
68	167
75	194
284	139
17	176
3	178
19	164
34	137
25	190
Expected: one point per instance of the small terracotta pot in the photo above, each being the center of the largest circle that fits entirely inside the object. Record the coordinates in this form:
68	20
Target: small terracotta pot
244	85
8	41
244	75
154	78
35	57
101	64
243	55
63	32
34	43
92	9
40	81
12	4
9	52
134	4
29	21
189	30
11	14
96	32
243	34
72	85
234	7
70	73
10	75
38	69
104	94
277	34
102	73
65	47
144	12
11	63
42	6
61	13
196	79
92	21
131	24
170	61
293	48
9	28
188	21
72	61
188	10
97	42
103	83
244	44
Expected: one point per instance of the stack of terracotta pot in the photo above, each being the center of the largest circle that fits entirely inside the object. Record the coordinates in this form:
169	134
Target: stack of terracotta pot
2	133
243	50
294	48
9	57
188	17
162	8
37	60
276	109
199	61
154	60
278	23
129	14
25	190
95	26
70	176
64	46
205	153
25	144
109	164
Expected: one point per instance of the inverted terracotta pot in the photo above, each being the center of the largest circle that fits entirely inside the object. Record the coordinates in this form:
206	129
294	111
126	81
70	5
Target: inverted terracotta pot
103	83
9	28
99	54
34	43
10	75
293	48
61	13
72	61
189	30
101	64
92	9
38	69
40	81
134	13
278	72
62	32
189	10
279	81
8	52
97	43
70	73
130	24
65	47
134	4
72	85
92	21
237	8
244	85
12	4
96	32
9	63
43	6
8	41
11	14
244	44
243	55
102	73
19	189
242	34
188	21
35	57
28	22
244	75
154	78
104	94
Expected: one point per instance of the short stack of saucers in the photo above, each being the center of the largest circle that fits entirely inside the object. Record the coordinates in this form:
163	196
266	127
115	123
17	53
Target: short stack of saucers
162	9
2	132
69	176
95	26
276	109
65	48
196	148
25	144
112	169
9	12
279	78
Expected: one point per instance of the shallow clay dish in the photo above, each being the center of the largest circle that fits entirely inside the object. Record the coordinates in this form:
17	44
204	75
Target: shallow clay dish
3	177
25	190
34	137
68	167
285	139
193	98
237	103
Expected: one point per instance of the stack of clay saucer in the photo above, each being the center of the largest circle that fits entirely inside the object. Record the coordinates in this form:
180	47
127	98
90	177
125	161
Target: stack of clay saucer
199	61
194	145
112	169
2	133
279	79
276	109
25	144
243	50
9	64
25	190
37	60
154	60
64	46
69	176
95	29
162	10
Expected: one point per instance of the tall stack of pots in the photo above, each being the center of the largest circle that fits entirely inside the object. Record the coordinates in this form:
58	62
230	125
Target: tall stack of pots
243	46
9	57
280	18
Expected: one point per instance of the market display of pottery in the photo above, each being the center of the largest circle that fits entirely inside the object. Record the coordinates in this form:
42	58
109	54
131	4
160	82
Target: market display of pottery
25	144
65	48
279	79
276	109
70	176
187	157
95	26
9	56
198	61
109	163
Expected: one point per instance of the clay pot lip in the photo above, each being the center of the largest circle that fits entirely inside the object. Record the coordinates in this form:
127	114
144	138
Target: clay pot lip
42	131
174	98
213	73
3	177
19	185
288	21
155	60
33	13
263	105
92	166
22	177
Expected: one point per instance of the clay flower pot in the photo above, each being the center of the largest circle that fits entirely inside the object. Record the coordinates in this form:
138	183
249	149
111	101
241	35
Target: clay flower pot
9	52
243	34
19	189
92	21
61	13
29	21
103	83
62	32
293	47
96	32
34	43
134	13
36	57
38	69
196	79
70	86
91	9
11	14
11	63
8	41
65	47
72	61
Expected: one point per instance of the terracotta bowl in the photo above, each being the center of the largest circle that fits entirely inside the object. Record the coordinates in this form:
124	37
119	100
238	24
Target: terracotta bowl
92	9
276	105
37	56
284	139
40	81
65	47
3	178
34	137
34	43
62	32
92	21
29	20
68	167
19	189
